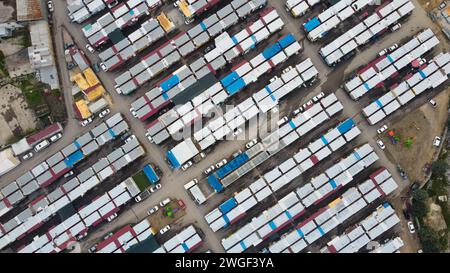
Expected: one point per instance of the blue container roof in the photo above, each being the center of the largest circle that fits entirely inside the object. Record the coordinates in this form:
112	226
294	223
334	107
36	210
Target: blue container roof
229	79
287	40
271	51
311	24
214	183
151	174
236	86
169	83
173	160
345	126
232	165
73	158
228	205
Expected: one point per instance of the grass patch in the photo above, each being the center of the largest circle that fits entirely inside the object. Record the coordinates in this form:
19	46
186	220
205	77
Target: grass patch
141	180
25	39
32	90
3	70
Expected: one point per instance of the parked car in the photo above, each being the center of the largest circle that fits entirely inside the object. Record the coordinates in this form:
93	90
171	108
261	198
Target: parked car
393	47
156	187
442	5
133	112
90	48
396	27
164	229
28	156
221	163
282	121
406	214
237	131
318	97
56	137
104	113
382	129
381	144
112	217
307	104
186	166
103	67
422	61
414	186
297	111
96	67
152	210
251	143
50	6
210	169
190	184
130	138
69	174
411	227
149	137
437	141
382	52
86	122
42	145
164	202
433	103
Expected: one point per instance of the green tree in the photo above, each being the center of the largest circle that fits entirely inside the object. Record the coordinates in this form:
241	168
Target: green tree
430	240
439	168
419	203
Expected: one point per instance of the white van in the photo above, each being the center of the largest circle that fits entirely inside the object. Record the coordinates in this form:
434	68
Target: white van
42	145
190	184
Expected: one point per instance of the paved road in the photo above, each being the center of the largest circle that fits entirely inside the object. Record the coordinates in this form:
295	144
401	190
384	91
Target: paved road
173	180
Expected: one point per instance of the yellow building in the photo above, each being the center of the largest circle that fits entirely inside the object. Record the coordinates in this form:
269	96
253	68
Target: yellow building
83	109
95	93
91	78
80	81
184	8
165	22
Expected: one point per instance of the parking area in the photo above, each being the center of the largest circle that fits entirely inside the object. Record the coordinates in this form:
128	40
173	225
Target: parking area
281	68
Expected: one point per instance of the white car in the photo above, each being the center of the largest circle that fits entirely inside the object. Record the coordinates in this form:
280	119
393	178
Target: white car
86	122
186	166
437	141
149	137
130	138
396	27
282	121
221	163
422	61
251	143
152	210
164	202
28	156
90	48
318	97
411	227
164	229
56	137
433	103
382	52
382	129
297	111
111	217
210	169
50	6
133	112
393	47
104	113
307	104
237	132
156	187
381	144
103	67
69	174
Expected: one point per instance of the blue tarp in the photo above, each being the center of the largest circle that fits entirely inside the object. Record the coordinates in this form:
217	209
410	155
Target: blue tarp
228	205
324	140
357	156
173	160
203	26
268	89
378	102
229	79
112	133
227	221
271	51
299	231
272	225
292	124
321	230
332	183
244	247
366	85
73	158
289	216
422	74
214	183
232	165
77	144
390	58
273	97
169	83
236	86
185	247
386	205
345	126
286	40
311	24
235	41
151	174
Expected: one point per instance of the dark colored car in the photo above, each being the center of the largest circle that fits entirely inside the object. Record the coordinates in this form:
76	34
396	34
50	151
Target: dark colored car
414	186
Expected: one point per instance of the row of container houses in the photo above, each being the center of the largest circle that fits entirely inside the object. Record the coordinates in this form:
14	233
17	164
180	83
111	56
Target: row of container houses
109	25
201	73
76	226
389	65
182	45
327	218
428	77
338	175
192	8
45	206
300	7
60	163
392	246
241	76
287	134
371	28
236	207
369	229
81	10
317	27
184	242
